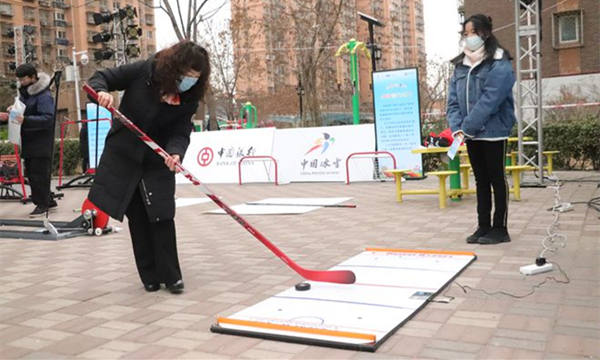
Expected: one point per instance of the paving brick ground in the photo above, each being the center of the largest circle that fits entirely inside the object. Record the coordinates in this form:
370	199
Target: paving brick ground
81	297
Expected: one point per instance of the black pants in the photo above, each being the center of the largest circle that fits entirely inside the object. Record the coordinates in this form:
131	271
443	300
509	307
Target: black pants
37	171
154	245
487	161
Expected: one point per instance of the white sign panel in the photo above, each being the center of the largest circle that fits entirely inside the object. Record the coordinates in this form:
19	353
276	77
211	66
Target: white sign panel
397	115
213	156
319	154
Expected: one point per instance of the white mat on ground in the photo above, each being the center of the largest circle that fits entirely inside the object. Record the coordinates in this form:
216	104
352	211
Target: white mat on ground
181	202
391	286
282	206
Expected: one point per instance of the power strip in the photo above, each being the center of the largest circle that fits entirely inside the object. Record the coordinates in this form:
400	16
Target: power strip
535	269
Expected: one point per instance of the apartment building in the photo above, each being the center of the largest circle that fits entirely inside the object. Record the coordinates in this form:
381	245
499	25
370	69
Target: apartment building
402	44
570	33
56	27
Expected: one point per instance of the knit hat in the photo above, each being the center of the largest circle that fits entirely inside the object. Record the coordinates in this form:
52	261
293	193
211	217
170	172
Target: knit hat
26	70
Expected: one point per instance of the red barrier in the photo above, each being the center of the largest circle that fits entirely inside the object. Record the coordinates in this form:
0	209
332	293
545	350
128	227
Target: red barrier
374	153
267	157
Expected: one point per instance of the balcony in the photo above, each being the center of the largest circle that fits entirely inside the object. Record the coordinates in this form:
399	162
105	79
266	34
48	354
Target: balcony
6	11
60	5
62	41
45	23
60	23
44	3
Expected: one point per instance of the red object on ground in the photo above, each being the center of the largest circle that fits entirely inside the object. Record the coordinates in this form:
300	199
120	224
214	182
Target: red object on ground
100	219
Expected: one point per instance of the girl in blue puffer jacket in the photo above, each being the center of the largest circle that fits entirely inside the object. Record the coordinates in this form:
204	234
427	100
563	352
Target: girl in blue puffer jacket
481	107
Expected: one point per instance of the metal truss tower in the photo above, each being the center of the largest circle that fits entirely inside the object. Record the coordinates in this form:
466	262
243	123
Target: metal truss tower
529	85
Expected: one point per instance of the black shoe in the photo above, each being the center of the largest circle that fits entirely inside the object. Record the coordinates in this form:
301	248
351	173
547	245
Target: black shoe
152	287
53	204
176	288
496	236
38	211
481	231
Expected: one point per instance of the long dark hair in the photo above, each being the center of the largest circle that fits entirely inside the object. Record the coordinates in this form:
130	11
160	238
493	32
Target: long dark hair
482	24
172	63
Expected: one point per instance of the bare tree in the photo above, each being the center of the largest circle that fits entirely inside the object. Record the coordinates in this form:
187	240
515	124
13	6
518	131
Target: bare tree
226	68
186	16
301	36
433	91
434	87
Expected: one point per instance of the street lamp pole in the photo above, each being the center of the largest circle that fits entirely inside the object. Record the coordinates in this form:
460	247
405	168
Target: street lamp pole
300	92
76	76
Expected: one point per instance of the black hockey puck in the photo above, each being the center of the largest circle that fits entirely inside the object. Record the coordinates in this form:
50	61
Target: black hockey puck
303	286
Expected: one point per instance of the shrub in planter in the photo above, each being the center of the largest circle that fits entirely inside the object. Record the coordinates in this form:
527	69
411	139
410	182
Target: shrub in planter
71	155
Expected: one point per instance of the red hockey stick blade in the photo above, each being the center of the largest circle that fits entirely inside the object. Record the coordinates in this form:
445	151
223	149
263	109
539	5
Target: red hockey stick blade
333	276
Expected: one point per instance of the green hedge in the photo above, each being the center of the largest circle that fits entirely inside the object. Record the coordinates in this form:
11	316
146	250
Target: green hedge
577	138
71	156
578	141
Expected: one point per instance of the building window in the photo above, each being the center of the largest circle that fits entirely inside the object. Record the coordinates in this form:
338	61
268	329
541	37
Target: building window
149	35
90	18
6	9
59	16
61	34
28	13
567	29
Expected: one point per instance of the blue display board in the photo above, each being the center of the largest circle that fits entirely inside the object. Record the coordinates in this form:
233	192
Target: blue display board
103	128
397	118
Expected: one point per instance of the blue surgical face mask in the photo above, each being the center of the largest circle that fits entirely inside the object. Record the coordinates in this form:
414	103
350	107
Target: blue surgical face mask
186	83
473	42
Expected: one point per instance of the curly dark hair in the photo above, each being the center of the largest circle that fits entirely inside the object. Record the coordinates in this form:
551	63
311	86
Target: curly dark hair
172	63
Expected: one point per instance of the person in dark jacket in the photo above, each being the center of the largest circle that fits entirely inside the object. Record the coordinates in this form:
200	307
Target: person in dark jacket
37	135
160	96
481	108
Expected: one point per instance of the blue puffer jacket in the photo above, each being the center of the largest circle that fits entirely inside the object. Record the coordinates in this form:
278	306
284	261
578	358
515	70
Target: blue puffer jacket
480	99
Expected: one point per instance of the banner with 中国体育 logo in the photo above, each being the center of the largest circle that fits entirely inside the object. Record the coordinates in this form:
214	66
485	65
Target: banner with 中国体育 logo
397	117
213	156
320	153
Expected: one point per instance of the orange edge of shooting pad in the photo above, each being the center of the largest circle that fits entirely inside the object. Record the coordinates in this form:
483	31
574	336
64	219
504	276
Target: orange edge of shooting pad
423	251
326	332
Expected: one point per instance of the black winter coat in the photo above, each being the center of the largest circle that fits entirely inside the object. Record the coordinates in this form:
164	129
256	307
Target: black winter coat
37	130
127	163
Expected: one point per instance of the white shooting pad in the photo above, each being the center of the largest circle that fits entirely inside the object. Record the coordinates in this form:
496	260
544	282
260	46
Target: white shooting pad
285	206
391	286
182	202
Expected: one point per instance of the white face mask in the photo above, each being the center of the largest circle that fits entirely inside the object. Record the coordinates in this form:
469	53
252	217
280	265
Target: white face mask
473	42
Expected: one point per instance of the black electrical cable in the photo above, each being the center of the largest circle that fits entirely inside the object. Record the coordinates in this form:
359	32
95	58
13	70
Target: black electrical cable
594	203
465	288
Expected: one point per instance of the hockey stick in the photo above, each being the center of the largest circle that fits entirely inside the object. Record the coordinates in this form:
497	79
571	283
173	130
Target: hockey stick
319	205
334	276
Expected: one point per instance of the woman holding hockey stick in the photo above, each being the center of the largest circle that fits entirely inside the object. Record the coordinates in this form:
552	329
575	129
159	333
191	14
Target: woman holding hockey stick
481	108
160	96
